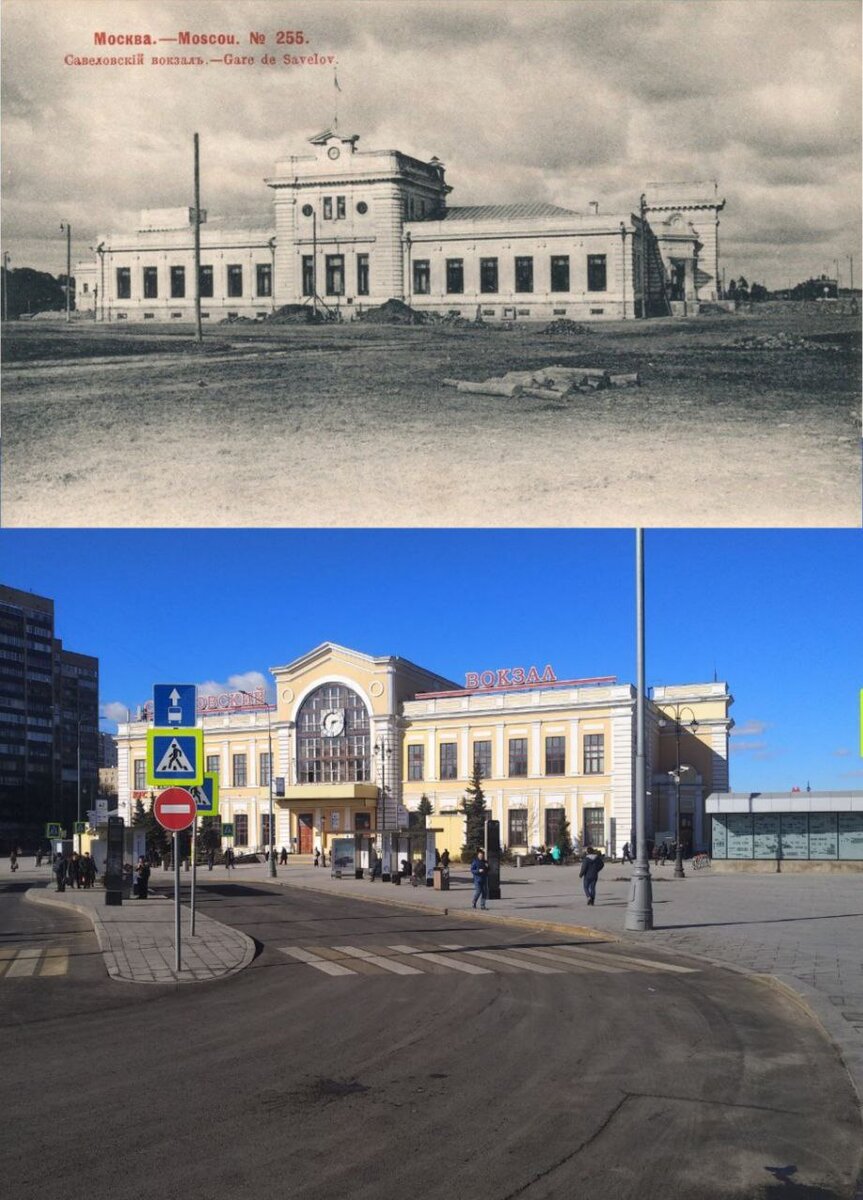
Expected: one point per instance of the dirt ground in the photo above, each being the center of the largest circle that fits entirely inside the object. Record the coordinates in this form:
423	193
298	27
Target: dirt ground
351	425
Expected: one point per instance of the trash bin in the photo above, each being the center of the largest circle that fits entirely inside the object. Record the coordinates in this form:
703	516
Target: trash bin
441	879
519	860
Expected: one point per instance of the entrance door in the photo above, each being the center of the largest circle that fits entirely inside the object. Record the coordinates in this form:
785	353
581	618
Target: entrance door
305	822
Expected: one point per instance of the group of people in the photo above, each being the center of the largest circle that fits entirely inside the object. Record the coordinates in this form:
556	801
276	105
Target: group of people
320	857
79	870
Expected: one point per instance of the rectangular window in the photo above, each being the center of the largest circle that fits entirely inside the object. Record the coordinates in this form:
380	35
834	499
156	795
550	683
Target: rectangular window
235	280
362	274
488	274
328	208
455	276
560	273
340	208
151	283
422	277
524	274
239	773
206	283
555	756
213	763
308	275
140	774
553	819
241	829
178	283
264	279
517	756
416	762
594	753
335	274
362	820
448	761
264	774
124	283
596	272
594	827
482	758
517	832
265	829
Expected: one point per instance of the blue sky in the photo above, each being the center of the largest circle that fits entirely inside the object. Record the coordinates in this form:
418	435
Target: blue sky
775	613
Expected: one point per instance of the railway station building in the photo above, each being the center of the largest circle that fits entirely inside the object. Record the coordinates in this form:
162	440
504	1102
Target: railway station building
357	741
354	228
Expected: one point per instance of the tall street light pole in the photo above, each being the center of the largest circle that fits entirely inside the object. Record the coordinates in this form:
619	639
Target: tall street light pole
68	228
270	819
6	261
692	724
639	911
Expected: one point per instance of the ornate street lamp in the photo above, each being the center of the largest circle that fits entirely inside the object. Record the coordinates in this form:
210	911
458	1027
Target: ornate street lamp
271	819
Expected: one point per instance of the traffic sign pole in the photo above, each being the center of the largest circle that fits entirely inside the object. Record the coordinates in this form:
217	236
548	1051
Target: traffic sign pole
194	872
177	903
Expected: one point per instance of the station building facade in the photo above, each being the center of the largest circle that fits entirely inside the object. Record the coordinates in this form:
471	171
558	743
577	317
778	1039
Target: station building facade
358	740
354	228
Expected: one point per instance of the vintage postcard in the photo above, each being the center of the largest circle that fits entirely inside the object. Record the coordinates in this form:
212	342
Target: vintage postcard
418	263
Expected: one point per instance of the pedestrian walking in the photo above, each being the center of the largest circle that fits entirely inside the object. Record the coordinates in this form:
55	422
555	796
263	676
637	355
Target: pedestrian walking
142	878
317	857
88	870
229	859
211	858
627	853
479	870
444	860
59	869
283	857
13	859
73	870
591	865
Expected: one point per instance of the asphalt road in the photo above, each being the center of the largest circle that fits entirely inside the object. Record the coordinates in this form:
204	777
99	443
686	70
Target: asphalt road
527	1071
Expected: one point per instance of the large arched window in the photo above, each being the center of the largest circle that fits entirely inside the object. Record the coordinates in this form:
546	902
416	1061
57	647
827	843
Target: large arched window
333	737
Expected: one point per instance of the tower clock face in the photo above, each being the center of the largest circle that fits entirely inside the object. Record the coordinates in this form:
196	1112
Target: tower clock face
333	722
334	152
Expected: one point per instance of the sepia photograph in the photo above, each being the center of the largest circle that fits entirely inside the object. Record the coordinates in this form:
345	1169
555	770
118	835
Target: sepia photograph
408	263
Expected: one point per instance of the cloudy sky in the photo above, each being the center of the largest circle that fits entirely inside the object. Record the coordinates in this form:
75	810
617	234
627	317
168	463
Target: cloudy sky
559	100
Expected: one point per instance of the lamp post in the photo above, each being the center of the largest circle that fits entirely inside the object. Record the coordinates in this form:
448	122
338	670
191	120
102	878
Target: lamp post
383	751
65	226
639	910
271	819
6	260
692	725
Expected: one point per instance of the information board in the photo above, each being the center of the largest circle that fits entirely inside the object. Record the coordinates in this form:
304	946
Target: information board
765	835
343	856
719	838
739	835
823	842
795	835
851	835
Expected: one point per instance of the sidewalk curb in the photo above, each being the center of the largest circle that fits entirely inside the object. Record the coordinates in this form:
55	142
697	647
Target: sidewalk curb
44	895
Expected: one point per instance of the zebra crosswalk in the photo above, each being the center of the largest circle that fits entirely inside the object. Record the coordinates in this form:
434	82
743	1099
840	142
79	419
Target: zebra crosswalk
26	961
441	958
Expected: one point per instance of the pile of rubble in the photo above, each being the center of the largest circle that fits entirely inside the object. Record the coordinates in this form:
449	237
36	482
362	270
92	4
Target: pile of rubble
779	341
295	314
565	326
393	312
547	382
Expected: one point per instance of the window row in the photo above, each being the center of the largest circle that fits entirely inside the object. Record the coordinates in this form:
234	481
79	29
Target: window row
555	757
522	279
177	281
239	770
334	281
592	826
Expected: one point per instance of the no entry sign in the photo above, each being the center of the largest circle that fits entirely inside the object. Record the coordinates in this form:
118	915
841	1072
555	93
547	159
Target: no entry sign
175	809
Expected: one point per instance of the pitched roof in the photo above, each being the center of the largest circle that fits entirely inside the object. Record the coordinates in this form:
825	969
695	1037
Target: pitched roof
506	212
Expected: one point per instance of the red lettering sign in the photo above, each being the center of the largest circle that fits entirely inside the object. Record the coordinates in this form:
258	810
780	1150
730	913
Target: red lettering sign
507	677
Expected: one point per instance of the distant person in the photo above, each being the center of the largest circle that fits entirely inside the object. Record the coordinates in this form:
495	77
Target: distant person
229	859
663	854
38	858
627	853
444	860
142	878
556	855
479	869
73	873
317	857
211	859
283	857
323	858
88	870
59	869
13	859
591	865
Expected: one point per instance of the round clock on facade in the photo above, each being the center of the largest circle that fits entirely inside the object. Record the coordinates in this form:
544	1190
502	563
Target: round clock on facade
334	152
307	210
333	722
362	207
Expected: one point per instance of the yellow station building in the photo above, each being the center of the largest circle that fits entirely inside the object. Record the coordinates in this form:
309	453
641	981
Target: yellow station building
357	740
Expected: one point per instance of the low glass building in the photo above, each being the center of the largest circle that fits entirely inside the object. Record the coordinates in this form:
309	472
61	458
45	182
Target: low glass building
766	830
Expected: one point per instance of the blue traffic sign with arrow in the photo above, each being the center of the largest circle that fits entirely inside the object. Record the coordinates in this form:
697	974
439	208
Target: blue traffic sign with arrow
175	705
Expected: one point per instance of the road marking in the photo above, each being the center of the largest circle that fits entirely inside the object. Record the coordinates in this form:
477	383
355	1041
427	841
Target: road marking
387	964
637	963
496	956
55	963
454	964
571	960
320	964
24	963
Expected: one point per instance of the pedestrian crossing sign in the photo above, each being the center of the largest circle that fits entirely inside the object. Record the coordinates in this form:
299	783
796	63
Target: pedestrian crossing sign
80	827
175	756
227	829
53	830
207	795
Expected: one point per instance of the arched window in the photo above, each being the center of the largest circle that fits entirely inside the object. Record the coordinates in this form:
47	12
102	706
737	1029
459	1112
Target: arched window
333	737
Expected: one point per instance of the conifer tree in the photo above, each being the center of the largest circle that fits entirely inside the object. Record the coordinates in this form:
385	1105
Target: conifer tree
473	807
424	811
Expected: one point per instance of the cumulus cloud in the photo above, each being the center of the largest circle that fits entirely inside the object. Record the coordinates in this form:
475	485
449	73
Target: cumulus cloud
115	710
748	729
565	102
248	681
